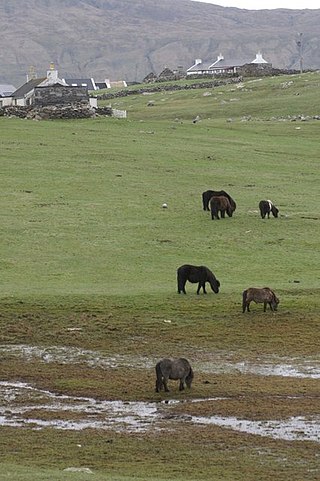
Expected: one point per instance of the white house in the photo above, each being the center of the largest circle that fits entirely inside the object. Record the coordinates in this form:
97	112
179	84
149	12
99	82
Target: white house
222	65
25	95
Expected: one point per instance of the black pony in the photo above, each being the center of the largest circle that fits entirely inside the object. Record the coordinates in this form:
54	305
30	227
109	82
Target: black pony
206	196
194	274
266	208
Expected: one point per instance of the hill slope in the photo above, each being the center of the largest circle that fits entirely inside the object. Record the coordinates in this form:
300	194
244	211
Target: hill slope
125	39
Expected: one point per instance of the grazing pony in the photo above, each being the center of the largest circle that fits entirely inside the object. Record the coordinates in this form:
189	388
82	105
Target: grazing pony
264	295
206	196
176	369
266	207
220	204
194	274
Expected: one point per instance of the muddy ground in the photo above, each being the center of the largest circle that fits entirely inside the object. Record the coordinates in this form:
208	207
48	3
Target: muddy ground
94	373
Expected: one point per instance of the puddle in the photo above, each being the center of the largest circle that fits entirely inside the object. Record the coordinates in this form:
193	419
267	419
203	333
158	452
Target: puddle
301	368
21	405
18	400
73	355
213	362
293	429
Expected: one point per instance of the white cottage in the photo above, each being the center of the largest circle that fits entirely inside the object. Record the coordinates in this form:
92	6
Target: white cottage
25	95
222	65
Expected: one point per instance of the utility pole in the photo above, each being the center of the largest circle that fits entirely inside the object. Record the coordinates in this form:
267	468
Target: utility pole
299	45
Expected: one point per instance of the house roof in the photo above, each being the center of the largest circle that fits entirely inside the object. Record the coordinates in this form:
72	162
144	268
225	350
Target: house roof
229	63
27	87
204	66
6	90
82	82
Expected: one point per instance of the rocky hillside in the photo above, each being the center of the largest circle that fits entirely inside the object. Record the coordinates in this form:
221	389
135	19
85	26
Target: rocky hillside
128	39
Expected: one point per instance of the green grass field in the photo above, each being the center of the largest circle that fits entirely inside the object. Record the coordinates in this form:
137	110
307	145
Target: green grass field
86	243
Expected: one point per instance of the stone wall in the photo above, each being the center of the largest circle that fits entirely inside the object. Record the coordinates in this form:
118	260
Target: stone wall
75	111
263	70
173	87
60	95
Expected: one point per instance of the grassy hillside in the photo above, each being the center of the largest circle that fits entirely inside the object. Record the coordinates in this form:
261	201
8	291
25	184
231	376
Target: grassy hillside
82	201
88	284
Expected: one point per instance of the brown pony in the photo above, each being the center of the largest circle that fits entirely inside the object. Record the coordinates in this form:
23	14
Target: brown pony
264	295
206	196
220	204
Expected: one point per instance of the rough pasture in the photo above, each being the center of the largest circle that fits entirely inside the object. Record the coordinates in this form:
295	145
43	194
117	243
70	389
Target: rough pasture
88	287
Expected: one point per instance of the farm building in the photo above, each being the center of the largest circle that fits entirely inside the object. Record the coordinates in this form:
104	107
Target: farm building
6	91
49	90
224	66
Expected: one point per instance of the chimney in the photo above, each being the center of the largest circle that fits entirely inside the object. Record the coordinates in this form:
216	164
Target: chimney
259	58
52	74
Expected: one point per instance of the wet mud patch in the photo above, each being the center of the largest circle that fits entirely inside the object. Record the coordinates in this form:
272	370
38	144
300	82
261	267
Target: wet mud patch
269	396
22	405
207	362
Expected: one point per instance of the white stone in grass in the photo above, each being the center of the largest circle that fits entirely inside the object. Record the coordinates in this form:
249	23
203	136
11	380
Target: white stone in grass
79	470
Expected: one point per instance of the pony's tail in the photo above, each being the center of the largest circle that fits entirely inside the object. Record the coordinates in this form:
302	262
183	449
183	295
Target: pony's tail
189	378
244	300
158	377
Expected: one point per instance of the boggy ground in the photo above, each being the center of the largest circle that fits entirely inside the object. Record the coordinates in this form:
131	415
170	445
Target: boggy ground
78	380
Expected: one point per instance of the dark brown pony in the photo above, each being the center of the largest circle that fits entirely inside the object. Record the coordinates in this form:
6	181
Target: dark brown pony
194	274
264	295
220	204
266	208
176	369
206	196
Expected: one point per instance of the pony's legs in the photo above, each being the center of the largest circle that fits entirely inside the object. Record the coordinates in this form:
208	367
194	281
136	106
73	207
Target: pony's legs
181	285
165	384
203	285
181	385
158	385
182	289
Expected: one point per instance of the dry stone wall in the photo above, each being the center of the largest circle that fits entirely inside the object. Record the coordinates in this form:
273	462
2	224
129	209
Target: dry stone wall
78	111
172	87
60	95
